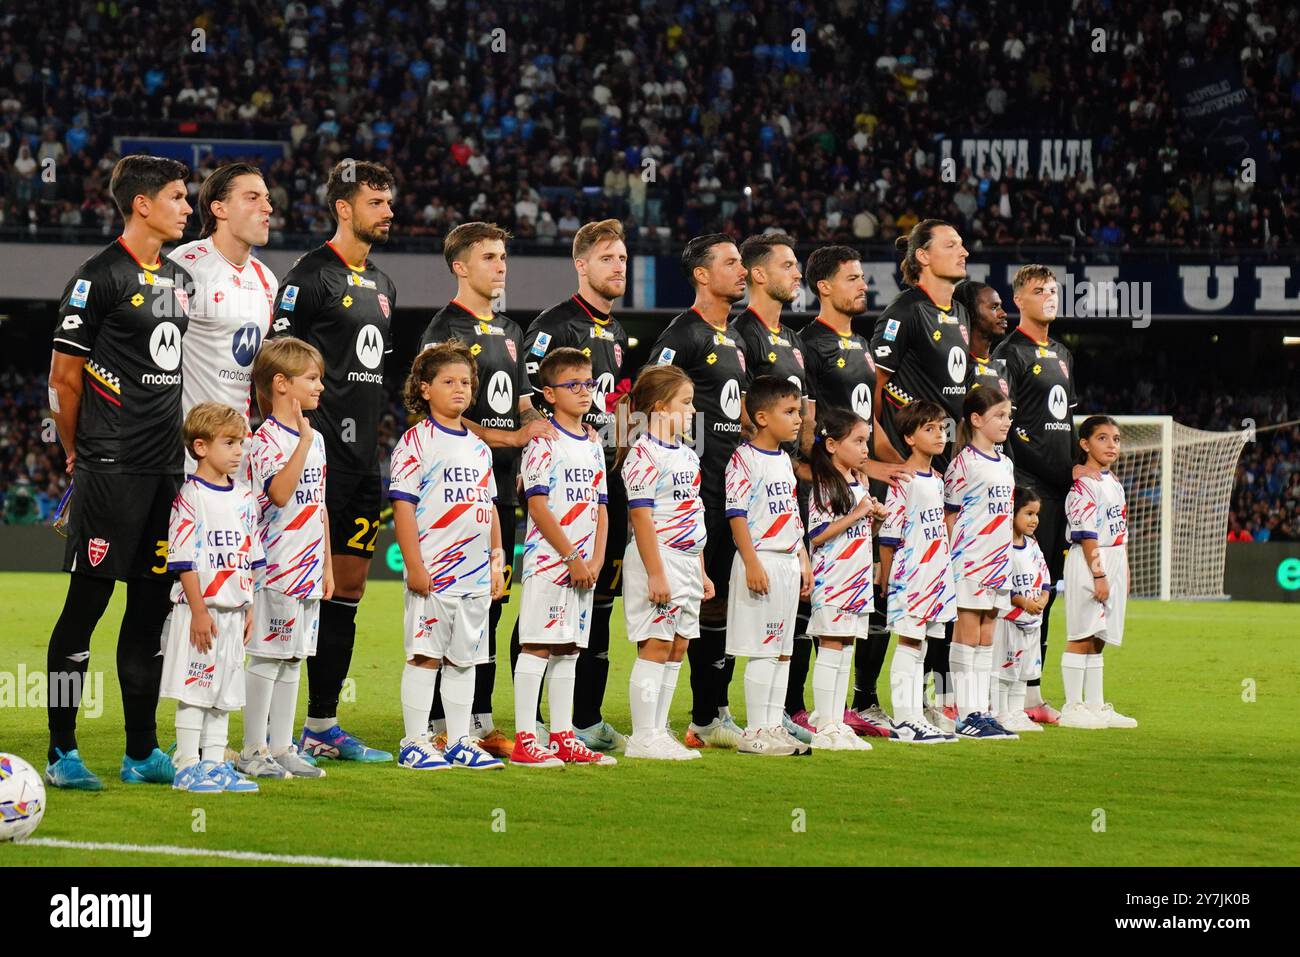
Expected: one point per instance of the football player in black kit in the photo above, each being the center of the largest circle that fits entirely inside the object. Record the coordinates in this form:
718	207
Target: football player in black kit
706	346
988	324
335	298
842	374
771	348
1043	439
920	344
115	391
583	322
502	416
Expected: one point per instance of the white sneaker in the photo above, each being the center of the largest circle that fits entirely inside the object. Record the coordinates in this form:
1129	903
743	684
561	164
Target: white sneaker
651	746
682	751
1078	715
1018	721
785	737
297	765
1112	718
849	739
826	738
935	717
260	764
716	734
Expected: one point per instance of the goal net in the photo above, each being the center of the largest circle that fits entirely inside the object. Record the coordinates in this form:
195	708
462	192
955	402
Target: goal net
1178	485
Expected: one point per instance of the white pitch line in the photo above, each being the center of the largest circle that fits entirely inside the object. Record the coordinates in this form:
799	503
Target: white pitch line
251	856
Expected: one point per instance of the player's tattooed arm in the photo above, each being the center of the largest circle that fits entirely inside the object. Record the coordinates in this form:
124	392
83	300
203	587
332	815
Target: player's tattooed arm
65	400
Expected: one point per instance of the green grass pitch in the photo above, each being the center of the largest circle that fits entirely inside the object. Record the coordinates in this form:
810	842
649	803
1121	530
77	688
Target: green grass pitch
1208	778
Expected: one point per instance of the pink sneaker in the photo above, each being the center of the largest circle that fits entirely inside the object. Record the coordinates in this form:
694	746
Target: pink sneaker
950	712
1044	714
801	718
858	725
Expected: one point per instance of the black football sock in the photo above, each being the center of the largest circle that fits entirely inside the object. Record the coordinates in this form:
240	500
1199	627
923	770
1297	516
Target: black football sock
799	659
593	668
139	666
706	655
68	656
329	666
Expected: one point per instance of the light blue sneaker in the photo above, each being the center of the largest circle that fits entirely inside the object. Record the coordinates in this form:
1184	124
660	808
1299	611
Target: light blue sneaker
799	733
601	737
466	753
197	779
337	743
155	769
230	780
69	772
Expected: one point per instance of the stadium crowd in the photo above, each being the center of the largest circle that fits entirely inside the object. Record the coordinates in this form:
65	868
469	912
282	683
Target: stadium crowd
544	115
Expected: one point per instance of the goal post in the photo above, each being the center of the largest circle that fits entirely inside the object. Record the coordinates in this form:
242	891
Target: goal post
1178	485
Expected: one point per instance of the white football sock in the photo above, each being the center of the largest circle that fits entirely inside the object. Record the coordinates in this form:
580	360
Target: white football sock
904	697
776	699
918	680
259	688
1073	669
825	677
1092	694
457	700
1001	697
417	698
961	664
216	729
983	676
667	687
841	700
189	730
643	695
529	671
561	673
759	674
1033	695
284	704
1016	696
321	724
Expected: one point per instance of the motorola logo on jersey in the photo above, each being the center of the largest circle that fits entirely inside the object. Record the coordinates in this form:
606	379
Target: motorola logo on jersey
165	346
957	364
500	392
729	399
861	401
604	387
245	343
370	346
1057	403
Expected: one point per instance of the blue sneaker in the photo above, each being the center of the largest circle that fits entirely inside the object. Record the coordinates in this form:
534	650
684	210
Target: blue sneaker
197	779
231	781
466	753
1002	732
337	743
419	754
155	769
69	772
800	734
975	727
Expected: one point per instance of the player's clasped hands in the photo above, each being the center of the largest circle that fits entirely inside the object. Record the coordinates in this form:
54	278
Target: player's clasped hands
581	574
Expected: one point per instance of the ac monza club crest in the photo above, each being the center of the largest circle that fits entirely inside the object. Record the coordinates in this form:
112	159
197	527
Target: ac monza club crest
96	548
741	356
183	298
618	355
383	305
798	357
510	348
1065	370
965	335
